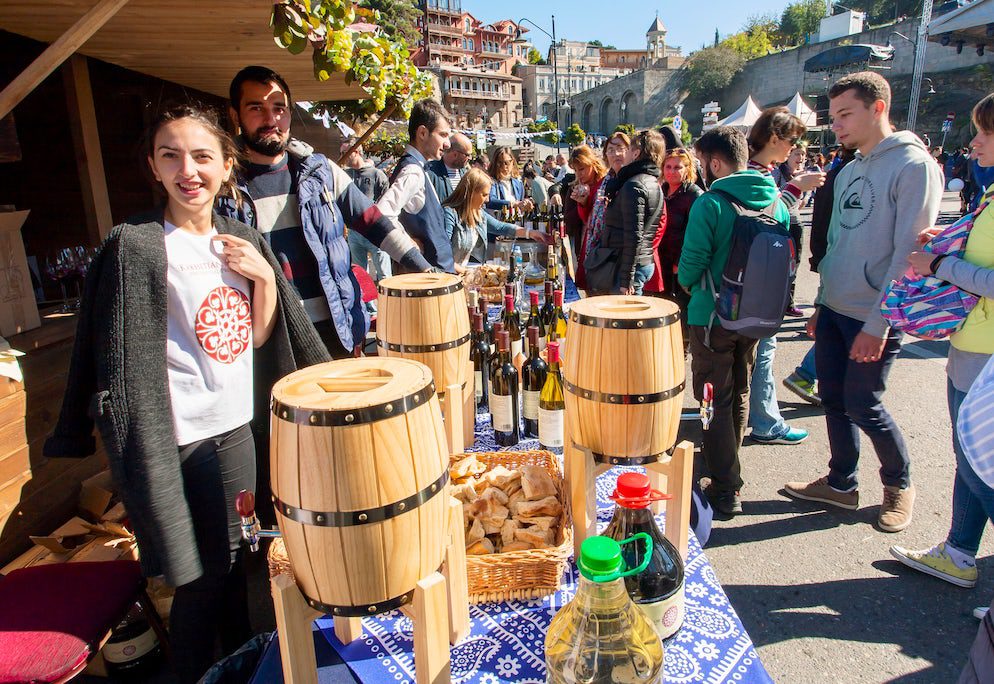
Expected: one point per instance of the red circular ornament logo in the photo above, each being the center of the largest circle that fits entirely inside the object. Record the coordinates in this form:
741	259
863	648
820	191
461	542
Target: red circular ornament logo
224	324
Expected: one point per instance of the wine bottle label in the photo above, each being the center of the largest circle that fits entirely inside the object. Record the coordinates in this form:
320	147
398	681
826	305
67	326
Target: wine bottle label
126	651
501	410
666	615
478	382
550	427
530	404
516	348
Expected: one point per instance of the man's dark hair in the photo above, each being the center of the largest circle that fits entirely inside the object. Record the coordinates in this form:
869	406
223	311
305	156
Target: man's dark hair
725	142
427	113
256	74
775	121
869	87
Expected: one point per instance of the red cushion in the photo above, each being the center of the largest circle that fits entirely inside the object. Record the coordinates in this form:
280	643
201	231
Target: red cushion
52	616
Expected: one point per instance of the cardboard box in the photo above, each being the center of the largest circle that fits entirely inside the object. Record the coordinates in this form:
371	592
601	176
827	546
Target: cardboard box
77	541
18	309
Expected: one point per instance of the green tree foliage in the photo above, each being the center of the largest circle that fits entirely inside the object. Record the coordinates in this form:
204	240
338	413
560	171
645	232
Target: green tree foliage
800	19
685	136
711	69
597	43
397	18
574	135
552	138
883	11
535	57
750	45
626	128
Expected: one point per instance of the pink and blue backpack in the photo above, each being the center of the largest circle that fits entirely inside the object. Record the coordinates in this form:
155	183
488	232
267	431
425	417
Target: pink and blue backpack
928	307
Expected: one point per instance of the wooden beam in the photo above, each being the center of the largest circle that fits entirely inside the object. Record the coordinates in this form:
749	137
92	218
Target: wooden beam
56	53
86	143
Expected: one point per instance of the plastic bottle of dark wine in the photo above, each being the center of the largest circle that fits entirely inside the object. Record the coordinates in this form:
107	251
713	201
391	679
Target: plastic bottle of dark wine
658	590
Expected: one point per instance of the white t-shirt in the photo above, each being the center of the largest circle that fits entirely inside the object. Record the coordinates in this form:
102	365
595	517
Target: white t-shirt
209	345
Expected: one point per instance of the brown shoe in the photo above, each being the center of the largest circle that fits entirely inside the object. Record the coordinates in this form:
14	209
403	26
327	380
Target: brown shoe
895	511
822	492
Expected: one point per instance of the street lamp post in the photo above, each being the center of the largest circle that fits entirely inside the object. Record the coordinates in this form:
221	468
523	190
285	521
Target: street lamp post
555	65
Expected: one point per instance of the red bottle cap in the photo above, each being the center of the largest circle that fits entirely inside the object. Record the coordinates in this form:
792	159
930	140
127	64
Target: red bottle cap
557	297
498	327
533	296
478	322
552	352
532	335
548	288
504	341
633	491
509	302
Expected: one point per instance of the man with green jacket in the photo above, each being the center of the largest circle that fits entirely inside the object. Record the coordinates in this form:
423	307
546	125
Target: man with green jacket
721	357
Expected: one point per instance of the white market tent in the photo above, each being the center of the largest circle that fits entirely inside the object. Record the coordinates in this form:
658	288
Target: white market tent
743	117
799	108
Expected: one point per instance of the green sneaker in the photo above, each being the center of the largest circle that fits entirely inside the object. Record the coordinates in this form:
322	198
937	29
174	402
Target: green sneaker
805	389
937	563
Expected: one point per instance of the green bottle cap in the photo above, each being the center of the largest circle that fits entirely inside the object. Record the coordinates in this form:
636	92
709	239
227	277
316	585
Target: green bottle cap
600	557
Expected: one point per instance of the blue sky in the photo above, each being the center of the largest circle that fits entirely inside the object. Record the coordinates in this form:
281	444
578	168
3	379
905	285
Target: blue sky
623	23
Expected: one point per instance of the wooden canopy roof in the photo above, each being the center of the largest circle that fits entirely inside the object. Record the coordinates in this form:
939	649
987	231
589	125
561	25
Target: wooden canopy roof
200	44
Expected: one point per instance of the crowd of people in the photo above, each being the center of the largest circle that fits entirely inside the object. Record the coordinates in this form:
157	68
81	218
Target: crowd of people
244	274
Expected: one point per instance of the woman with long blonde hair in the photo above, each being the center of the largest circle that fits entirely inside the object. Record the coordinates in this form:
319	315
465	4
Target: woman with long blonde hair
507	191
468	225
590	171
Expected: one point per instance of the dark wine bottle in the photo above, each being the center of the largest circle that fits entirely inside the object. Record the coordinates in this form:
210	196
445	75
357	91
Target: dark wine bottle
535	319
512	325
479	353
658	590
504	395
488	327
495	355
533	373
133	648
548	305
552	404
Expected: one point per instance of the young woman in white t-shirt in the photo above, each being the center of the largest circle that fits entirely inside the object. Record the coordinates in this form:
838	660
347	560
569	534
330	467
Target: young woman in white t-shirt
222	303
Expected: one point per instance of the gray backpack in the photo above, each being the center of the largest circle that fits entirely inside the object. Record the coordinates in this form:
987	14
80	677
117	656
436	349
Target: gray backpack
762	264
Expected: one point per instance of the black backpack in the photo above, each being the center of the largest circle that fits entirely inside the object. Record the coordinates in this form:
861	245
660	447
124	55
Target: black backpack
755	285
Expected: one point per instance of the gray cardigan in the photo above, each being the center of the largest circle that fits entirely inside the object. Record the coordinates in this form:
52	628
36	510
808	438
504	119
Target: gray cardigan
117	379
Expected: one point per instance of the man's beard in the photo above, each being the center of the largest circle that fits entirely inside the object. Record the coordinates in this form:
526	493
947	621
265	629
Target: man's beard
267	146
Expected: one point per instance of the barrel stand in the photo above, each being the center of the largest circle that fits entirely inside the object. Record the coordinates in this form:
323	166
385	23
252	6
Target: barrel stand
459	417
671	474
439	612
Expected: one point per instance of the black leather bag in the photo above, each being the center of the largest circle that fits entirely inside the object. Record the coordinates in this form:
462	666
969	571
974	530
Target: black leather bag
601	269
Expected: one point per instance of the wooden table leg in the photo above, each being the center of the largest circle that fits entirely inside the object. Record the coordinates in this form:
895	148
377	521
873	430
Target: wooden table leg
581	477
658	481
454	419
454	570
348	629
680	473
431	631
293	620
469	408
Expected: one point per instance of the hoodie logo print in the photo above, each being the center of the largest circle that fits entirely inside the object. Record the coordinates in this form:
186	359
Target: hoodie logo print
856	203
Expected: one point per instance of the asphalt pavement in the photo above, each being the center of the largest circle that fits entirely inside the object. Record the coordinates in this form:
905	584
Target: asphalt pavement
816	587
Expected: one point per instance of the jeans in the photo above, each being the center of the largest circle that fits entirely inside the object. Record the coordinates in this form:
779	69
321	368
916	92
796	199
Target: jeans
851	394
764	412
727	365
973	500
642	274
363	251
807	368
216	603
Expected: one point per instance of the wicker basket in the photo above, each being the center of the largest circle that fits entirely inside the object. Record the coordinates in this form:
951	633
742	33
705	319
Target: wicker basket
518	575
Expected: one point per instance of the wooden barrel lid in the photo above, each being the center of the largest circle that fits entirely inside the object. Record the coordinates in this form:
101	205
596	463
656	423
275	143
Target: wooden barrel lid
420	285
624	312
352	391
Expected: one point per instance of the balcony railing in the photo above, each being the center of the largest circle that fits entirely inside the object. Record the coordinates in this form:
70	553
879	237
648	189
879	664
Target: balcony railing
477	94
453	7
446	49
446	28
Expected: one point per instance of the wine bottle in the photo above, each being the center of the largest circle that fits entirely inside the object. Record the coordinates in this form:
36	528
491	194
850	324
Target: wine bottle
495	355
552	267
557	326
657	590
552	404
488	327
512	325
533	373
479	352
504	395
535	319
547	306
133	648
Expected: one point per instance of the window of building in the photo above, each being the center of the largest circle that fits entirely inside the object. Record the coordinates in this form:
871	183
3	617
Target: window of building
513	88
469	26
472	44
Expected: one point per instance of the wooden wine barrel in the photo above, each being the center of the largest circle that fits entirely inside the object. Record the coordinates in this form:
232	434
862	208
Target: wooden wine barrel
360	481
422	317
624	376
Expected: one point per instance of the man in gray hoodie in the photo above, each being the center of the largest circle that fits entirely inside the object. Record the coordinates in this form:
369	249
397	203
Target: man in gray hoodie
883	199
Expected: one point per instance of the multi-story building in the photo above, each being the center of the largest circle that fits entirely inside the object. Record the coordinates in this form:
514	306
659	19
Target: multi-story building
655	55
473	62
479	97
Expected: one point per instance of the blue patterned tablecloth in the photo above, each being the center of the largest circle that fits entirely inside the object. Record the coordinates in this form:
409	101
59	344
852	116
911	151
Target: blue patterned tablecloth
507	640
